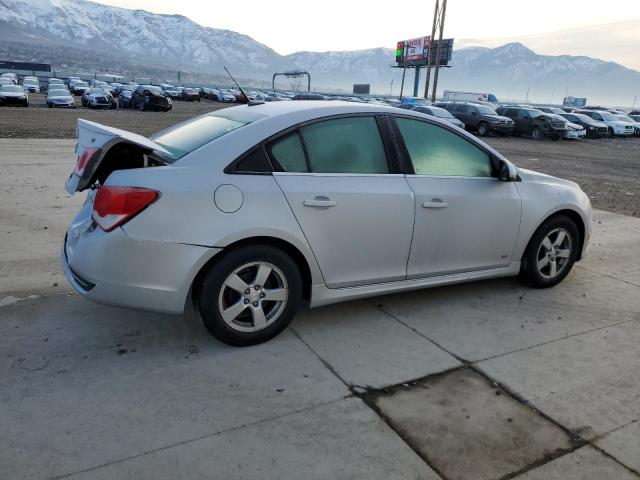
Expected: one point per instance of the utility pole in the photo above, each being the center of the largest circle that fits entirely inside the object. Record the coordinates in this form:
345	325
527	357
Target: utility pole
433	34
441	27
634	101
391	88
404	67
527	99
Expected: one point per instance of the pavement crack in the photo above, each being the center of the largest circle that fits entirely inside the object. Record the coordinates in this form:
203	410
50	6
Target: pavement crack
195	439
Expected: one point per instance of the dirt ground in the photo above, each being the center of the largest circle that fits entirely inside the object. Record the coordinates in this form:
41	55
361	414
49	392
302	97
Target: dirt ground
607	169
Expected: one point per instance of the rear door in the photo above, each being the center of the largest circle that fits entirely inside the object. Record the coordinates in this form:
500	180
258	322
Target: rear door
349	197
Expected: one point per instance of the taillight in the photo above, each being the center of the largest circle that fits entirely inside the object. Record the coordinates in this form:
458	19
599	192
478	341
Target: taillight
114	206
83	160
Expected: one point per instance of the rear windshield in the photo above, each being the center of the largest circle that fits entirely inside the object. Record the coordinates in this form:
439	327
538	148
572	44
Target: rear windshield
187	136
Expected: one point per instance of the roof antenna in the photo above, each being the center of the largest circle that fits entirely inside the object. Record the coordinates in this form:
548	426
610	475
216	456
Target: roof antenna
250	103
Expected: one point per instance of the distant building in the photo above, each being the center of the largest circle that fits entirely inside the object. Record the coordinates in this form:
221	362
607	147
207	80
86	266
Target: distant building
32	67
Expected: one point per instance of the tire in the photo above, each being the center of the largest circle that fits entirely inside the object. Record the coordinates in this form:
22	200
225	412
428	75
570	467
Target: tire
49	105
141	107
610	133
241	266
536	133
483	129
548	252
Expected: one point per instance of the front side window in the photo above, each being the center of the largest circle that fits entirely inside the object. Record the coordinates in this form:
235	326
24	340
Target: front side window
434	150
345	145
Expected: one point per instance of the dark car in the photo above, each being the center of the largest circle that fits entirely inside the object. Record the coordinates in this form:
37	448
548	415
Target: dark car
125	99
150	97
190	95
555	110
480	118
594	129
98	97
535	123
309	96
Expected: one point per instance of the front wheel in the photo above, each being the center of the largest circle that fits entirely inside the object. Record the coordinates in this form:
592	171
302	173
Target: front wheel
250	295
483	129
141	107
551	252
536	133
610	133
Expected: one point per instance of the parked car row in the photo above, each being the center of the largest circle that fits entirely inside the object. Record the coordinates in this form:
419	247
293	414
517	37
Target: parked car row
536	122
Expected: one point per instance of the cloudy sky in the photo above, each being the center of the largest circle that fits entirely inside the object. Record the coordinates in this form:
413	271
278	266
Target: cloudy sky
294	25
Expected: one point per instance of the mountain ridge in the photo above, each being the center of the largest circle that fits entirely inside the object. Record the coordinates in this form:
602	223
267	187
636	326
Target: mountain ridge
117	38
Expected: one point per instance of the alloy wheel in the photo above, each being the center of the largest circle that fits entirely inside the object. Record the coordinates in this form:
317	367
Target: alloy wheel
554	253
253	296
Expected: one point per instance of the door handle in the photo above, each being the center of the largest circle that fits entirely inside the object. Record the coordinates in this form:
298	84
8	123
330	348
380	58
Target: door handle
435	203
319	202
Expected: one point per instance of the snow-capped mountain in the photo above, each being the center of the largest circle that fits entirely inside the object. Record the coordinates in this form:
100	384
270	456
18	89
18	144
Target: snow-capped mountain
173	38
88	36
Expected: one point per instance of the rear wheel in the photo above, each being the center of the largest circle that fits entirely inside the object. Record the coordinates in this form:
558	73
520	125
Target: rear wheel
141	106
551	252
483	129
250	295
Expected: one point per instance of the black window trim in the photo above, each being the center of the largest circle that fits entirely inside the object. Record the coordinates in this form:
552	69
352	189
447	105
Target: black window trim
405	158
389	138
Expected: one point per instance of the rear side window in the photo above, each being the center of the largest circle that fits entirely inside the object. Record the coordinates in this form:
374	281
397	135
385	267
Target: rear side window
187	136
434	150
252	162
287	154
346	145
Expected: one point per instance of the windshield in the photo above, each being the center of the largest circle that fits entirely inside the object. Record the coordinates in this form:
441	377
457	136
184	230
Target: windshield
440	112
81	84
583	118
625	118
58	92
484	110
187	136
152	89
12	88
557	118
96	90
608	116
30	82
533	113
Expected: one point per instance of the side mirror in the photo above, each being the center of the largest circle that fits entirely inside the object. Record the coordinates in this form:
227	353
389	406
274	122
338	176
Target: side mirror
474	113
506	172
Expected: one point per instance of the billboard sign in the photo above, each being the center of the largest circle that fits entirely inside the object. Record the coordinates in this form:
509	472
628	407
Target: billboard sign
574	102
419	49
416	49
361	88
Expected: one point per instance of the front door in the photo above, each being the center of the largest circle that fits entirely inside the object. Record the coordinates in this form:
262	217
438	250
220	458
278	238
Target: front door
466	219
355	213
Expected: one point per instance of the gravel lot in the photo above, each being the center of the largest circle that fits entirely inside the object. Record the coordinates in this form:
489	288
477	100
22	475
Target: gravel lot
607	169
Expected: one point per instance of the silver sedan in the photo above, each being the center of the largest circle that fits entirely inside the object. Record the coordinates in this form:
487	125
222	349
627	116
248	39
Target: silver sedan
255	211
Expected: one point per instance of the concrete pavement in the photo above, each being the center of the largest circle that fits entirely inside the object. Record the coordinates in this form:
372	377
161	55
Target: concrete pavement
483	380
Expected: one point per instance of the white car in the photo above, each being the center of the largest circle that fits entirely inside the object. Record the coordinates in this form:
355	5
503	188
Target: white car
616	126
255	211
60	97
31	84
574	131
635	123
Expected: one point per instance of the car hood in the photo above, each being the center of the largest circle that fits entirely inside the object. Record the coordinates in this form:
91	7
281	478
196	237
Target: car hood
532	176
12	94
60	97
619	123
496	117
